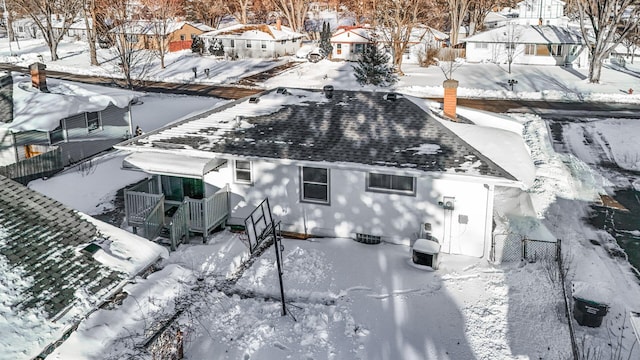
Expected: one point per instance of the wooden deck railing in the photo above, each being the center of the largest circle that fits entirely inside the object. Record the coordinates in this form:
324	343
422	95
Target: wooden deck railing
154	221
144	209
179	225
138	206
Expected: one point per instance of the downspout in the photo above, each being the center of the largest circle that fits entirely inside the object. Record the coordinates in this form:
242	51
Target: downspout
488	222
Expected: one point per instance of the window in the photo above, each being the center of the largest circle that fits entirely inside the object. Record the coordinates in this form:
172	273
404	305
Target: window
359	49
530	49
263	44
93	121
482	45
556	50
283	42
56	135
232	43
391	183
248	44
339	49
182	37
315	185
131	38
243	171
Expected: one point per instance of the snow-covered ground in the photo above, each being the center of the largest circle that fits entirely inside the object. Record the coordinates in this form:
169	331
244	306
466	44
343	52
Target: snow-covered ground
352	301
476	80
376	304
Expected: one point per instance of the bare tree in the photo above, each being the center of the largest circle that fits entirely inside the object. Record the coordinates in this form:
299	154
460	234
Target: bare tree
46	12
294	11
632	42
238	8
447	63
89	12
132	61
458	9
163	14
478	11
396	20
607	22
209	12
512	35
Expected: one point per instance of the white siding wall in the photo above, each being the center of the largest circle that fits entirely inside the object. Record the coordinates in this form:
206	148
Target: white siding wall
496	53
397	218
7	150
274	48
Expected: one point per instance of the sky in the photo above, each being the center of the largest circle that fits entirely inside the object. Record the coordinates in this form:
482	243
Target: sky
379	305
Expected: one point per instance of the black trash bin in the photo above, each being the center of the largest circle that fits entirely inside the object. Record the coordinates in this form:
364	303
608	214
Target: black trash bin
589	313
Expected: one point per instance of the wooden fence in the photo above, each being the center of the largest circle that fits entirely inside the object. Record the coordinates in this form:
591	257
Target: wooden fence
43	165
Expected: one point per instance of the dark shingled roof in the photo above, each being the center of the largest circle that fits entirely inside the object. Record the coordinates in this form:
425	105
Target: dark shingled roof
40	236
352	127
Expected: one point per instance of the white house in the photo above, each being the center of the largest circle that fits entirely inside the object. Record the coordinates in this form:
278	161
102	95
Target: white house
541	12
254	40
349	42
528	44
26	28
422	38
367	165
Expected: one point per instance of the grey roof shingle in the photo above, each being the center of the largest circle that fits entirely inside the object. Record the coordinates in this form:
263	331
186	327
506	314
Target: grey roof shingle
40	237
352	127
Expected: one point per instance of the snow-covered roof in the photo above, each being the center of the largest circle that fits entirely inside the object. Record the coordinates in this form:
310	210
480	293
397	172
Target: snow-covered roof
528	34
37	110
493	16
356	130
150	27
254	32
56	266
352	34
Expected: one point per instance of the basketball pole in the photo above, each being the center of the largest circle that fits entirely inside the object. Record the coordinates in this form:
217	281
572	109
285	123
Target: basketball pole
278	246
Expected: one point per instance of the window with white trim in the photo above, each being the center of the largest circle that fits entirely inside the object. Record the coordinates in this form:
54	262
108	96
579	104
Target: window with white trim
263	44
242	171
248	44
396	184
315	185
482	45
93	121
232	43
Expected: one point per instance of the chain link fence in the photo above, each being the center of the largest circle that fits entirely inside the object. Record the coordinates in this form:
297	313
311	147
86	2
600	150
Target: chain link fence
510	247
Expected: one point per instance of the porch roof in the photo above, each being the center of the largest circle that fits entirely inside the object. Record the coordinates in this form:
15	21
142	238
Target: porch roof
172	164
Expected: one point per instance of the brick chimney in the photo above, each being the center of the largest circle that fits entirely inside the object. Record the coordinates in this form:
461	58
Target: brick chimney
450	98
278	24
38	76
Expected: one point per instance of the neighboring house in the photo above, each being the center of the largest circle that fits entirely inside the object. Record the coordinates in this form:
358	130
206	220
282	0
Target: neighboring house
254	41
529	44
367	165
57	266
57	123
422	38
349	42
77	30
541	12
26	28
494	20
146	34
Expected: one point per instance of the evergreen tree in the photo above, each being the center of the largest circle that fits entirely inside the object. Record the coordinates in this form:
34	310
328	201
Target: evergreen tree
197	45
325	40
373	68
216	48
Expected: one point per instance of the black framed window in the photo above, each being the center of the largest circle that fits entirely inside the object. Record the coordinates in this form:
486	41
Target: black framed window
93	121
315	185
391	183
